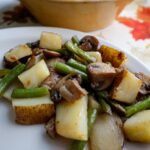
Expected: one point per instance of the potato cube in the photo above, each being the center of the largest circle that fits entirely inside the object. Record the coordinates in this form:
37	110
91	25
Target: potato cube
115	57
35	75
18	52
126	87
8	92
71	119
96	55
137	128
33	110
50	41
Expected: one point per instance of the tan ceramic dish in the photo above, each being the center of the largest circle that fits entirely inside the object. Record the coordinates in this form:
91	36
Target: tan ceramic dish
84	15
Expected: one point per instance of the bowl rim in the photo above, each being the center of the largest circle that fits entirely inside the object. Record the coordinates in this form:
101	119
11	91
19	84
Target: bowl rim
80	1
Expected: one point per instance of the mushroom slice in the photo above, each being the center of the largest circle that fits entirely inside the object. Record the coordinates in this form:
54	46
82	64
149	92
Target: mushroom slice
71	90
36	51
50	54
51	80
31	62
50	127
52	62
101	75
89	43
55	94
145	88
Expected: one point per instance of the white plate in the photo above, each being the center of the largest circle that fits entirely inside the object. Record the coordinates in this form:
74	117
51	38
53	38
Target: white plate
19	137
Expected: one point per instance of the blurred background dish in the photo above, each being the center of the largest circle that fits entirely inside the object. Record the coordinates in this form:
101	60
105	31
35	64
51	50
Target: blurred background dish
83	15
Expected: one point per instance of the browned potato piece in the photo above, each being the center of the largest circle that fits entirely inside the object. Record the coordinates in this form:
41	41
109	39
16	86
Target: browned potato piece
126	87
33	110
112	55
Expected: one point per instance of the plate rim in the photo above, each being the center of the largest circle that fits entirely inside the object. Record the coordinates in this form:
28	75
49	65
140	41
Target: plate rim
2	31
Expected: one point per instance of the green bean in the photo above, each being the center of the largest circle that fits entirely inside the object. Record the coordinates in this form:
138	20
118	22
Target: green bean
141	105
75	40
3	72
104	95
65	69
77	65
29	93
105	106
79	145
76	50
10	77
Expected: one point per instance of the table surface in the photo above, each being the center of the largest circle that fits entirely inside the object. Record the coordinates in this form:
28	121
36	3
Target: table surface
130	30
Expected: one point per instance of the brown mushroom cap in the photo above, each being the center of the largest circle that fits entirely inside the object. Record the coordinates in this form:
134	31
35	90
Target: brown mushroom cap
89	43
50	54
145	88
101	75
50	128
71	90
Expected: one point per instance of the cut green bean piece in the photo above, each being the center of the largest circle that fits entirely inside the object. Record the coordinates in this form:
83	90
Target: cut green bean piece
142	105
78	145
10	77
105	106
65	69
77	65
92	114
76	50
118	107
75	40
63	51
3	72
104	95
29	93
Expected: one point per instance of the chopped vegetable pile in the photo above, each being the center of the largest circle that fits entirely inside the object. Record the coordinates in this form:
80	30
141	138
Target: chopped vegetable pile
81	89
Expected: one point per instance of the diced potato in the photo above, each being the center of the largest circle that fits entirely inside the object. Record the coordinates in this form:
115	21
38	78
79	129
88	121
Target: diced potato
106	135
33	110
96	55
71	119
18	52
35	75
50	40
137	128
115	57
8	92
126	87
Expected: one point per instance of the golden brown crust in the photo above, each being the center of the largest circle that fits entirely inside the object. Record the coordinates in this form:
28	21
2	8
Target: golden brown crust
117	81
115	57
34	114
